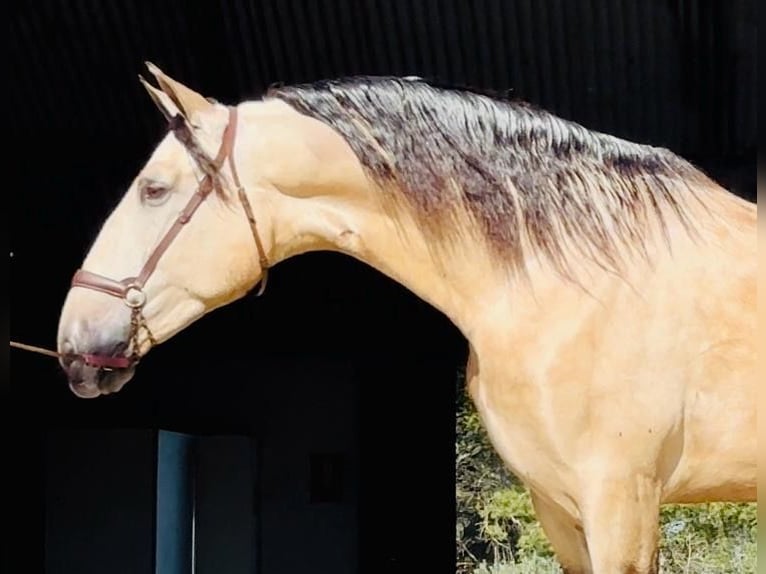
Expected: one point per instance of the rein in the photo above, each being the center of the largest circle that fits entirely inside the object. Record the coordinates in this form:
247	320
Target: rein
106	363
131	289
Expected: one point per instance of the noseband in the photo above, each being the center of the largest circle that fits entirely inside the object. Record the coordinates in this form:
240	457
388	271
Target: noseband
131	289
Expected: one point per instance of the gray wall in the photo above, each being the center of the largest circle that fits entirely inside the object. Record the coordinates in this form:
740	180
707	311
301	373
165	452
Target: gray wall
99	502
308	408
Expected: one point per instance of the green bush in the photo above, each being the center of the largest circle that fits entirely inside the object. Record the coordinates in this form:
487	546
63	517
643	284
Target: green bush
497	531
709	538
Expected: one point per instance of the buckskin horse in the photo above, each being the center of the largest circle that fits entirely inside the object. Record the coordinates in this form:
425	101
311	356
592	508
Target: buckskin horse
606	289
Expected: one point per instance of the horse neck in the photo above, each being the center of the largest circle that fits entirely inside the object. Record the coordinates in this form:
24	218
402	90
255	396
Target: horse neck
454	281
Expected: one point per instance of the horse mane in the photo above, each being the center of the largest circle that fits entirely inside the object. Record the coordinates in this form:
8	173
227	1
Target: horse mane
525	177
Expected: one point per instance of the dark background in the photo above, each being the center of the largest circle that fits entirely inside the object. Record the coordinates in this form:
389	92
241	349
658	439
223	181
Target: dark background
679	74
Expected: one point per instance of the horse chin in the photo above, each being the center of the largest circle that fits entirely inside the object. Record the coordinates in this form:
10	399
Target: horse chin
106	383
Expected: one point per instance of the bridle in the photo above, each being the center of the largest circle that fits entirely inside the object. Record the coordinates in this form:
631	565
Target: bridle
131	289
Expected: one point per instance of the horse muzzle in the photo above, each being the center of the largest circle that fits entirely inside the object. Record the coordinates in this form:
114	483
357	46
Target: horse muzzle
100	371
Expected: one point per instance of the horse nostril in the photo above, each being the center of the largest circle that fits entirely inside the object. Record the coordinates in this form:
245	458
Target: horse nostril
67	354
73	368
71	363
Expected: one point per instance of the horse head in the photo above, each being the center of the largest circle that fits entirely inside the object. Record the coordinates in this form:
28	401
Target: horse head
188	236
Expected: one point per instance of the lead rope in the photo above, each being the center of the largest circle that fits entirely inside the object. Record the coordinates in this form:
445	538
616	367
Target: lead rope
35	349
137	323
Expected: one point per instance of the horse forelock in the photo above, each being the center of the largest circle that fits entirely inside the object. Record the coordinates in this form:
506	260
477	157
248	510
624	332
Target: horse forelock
522	176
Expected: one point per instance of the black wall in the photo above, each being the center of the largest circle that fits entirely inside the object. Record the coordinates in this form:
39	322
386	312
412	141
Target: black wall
99	499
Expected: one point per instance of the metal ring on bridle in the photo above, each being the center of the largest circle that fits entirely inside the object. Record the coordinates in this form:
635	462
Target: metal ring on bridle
134	297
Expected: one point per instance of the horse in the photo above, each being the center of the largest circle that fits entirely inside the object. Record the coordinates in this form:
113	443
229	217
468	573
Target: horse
606	288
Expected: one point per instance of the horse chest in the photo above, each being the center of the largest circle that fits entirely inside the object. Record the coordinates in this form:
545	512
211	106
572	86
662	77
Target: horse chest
522	429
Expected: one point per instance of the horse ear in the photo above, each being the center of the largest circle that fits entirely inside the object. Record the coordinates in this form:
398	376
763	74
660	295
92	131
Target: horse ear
179	105
163	102
186	100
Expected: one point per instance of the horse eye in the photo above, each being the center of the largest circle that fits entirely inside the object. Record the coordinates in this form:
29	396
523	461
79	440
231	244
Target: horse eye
153	192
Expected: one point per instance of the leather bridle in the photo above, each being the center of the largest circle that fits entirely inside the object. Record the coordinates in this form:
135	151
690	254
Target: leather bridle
131	289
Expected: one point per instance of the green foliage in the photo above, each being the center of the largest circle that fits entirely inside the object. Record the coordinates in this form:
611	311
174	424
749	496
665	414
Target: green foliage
531	565
714	537
497	531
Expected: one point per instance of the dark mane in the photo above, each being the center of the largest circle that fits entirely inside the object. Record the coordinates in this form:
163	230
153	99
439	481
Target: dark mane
523	175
